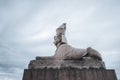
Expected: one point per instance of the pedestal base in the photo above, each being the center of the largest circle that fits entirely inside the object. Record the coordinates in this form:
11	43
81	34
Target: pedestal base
69	74
48	68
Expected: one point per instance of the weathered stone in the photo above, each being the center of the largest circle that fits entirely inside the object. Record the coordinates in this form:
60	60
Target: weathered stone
69	74
65	51
50	62
93	53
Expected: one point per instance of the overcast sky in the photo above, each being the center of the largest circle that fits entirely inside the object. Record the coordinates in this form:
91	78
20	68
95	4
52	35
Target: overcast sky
27	28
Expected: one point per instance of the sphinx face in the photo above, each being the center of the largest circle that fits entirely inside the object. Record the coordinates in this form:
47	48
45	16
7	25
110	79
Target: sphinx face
57	39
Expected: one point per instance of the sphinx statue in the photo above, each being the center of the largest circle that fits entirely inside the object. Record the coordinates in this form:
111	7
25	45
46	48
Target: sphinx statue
65	51
68	56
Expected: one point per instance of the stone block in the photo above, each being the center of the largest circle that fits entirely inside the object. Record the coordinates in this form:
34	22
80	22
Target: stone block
69	74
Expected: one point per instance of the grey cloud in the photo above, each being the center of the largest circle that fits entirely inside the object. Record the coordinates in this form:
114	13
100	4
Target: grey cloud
89	23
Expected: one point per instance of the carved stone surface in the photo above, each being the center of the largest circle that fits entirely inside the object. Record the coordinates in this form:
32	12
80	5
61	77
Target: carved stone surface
50	62
65	51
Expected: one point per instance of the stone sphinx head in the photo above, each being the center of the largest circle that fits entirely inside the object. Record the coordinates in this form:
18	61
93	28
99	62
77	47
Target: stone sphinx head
60	35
